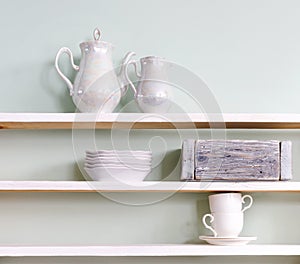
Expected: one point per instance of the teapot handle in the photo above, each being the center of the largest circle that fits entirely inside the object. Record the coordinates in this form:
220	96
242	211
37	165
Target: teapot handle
75	67
134	63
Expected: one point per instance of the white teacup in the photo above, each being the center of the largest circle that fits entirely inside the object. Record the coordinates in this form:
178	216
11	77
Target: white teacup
225	224
228	202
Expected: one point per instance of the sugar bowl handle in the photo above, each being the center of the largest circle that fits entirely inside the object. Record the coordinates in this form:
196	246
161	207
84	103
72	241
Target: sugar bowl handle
135	64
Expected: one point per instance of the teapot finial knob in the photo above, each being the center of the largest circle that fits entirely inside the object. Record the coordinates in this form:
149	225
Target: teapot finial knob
97	34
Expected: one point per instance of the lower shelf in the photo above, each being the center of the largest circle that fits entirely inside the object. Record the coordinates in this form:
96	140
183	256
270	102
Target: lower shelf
149	251
146	186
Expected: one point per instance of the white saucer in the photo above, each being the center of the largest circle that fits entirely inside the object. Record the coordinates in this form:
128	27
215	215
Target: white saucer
227	241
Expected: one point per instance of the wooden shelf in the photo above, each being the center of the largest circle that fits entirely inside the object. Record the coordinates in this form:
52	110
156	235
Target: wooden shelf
147	121
149	250
180	187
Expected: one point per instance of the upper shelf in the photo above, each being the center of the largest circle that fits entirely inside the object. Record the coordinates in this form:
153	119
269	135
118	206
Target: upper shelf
148	121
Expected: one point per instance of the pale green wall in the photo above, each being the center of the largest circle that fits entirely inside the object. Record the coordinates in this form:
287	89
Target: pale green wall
247	52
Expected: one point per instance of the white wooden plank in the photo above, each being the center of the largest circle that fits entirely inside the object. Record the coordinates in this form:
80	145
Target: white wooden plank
34	120
129	117
149	250
82	186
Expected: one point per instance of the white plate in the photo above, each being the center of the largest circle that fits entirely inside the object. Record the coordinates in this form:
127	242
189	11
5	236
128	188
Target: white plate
129	156
117	152
227	241
119	160
118	166
116	174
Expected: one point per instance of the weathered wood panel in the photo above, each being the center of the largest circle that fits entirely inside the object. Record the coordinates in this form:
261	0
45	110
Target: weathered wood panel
187	160
237	160
286	161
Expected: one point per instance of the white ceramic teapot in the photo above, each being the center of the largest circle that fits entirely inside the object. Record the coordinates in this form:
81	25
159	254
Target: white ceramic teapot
97	88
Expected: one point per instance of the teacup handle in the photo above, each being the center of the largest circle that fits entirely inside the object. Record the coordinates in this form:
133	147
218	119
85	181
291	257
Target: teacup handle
75	67
250	203
208	226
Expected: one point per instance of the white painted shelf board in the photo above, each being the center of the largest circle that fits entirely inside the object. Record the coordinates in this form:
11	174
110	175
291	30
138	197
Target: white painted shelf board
149	250
147	186
147	121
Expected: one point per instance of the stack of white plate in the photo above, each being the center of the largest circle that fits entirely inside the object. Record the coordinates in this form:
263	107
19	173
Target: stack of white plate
118	165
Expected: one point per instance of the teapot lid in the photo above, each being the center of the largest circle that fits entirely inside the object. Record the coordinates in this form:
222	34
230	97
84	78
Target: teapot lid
96	41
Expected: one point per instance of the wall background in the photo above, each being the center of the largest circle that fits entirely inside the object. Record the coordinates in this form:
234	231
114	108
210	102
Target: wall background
246	51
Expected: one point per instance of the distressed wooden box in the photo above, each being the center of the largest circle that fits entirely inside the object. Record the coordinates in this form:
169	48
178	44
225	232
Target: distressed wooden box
236	160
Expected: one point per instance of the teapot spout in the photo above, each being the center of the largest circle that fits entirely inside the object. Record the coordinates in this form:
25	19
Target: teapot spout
122	74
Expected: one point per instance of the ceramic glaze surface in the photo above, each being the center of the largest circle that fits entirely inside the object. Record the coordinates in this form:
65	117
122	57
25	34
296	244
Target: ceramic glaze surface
96	87
224	224
153	93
